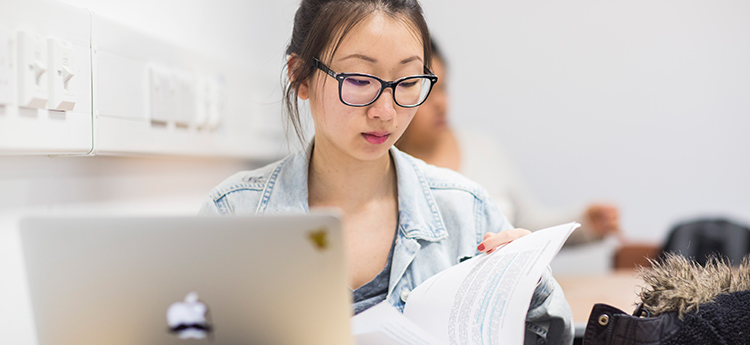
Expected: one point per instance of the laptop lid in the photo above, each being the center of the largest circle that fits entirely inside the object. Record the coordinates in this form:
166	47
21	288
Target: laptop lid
188	280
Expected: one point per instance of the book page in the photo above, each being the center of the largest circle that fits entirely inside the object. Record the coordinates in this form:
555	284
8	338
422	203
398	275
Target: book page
485	299
384	325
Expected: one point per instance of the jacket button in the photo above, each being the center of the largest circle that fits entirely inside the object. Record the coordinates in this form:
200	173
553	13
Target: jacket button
405	295
604	319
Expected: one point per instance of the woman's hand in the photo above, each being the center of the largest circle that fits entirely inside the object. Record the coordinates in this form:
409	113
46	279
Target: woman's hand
493	240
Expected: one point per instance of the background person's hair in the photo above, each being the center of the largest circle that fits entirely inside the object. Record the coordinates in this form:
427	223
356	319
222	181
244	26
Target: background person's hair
319	28
437	53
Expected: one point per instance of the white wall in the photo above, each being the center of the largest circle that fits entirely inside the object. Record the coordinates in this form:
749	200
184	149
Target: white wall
643	103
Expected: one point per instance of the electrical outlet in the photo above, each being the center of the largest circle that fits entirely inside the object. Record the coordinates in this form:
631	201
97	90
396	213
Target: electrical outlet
5	69
61	74
32	68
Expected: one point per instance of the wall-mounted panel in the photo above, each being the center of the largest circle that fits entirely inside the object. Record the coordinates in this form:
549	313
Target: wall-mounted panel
45	79
156	98
73	82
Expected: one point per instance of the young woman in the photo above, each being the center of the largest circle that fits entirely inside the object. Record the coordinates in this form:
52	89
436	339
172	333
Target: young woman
363	66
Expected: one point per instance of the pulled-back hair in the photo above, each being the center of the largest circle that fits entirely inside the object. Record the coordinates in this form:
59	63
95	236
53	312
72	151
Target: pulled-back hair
319	28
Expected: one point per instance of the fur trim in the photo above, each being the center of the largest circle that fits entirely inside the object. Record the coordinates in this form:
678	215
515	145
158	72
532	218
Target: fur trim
677	284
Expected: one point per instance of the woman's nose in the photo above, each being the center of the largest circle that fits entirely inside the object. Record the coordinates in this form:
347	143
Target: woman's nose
384	107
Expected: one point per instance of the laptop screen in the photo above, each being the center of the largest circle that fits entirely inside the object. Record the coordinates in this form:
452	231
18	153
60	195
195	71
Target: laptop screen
164	280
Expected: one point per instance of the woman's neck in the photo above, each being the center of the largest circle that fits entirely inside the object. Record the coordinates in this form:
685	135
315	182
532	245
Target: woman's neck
348	183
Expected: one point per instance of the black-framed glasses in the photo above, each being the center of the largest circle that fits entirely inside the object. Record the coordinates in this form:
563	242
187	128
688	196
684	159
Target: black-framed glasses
360	90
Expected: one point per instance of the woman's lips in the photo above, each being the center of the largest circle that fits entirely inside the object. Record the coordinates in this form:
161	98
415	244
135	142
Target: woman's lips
376	138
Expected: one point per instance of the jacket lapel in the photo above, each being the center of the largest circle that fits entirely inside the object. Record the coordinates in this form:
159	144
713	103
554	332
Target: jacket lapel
419	217
286	188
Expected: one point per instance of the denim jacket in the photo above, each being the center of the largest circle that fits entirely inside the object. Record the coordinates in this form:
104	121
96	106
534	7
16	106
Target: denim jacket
442	218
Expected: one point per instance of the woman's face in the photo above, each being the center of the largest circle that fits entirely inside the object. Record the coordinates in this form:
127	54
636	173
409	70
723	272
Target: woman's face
381	46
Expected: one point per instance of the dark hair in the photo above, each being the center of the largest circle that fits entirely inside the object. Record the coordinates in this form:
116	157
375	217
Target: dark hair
437	53
320	24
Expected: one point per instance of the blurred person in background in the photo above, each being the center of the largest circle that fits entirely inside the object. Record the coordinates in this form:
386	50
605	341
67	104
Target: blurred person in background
430	137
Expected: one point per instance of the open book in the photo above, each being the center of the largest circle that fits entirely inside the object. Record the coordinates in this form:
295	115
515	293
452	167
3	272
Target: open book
483	300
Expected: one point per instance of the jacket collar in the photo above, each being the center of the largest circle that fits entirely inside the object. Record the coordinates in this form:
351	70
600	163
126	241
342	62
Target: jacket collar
286	188
419	217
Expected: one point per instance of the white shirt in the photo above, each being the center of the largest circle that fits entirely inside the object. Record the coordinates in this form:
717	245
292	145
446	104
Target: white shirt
483	160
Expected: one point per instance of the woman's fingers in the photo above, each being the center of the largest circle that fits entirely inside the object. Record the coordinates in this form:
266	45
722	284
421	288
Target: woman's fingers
492	241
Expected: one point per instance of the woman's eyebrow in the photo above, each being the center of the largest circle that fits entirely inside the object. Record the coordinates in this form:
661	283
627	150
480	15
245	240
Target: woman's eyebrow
359	56
372	60
413	58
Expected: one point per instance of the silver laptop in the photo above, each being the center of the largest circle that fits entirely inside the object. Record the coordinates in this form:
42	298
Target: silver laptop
188	280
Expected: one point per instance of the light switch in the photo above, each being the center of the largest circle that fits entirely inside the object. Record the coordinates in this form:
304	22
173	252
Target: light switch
154	81
211	100
5	69
216	116
204	102
61	75
162	94
185	98
32	70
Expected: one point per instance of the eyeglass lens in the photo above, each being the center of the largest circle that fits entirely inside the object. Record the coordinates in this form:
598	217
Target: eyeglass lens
359	90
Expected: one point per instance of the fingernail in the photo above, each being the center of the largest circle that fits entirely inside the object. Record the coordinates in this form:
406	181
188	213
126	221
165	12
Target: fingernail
480	247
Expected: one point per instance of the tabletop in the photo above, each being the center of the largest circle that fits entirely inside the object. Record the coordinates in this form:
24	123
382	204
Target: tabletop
619	289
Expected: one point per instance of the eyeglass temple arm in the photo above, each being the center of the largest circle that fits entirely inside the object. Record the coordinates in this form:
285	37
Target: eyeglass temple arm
323	67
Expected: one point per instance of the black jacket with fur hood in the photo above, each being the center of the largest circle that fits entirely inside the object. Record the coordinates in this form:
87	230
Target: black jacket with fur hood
684	303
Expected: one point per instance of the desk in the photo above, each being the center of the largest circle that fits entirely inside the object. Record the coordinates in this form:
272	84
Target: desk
618	289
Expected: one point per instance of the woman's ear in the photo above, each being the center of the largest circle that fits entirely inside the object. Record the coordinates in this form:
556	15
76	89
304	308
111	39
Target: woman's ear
292	65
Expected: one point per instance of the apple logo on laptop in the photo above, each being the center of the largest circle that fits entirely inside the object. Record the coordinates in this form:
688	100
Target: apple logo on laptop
319	238
187	319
